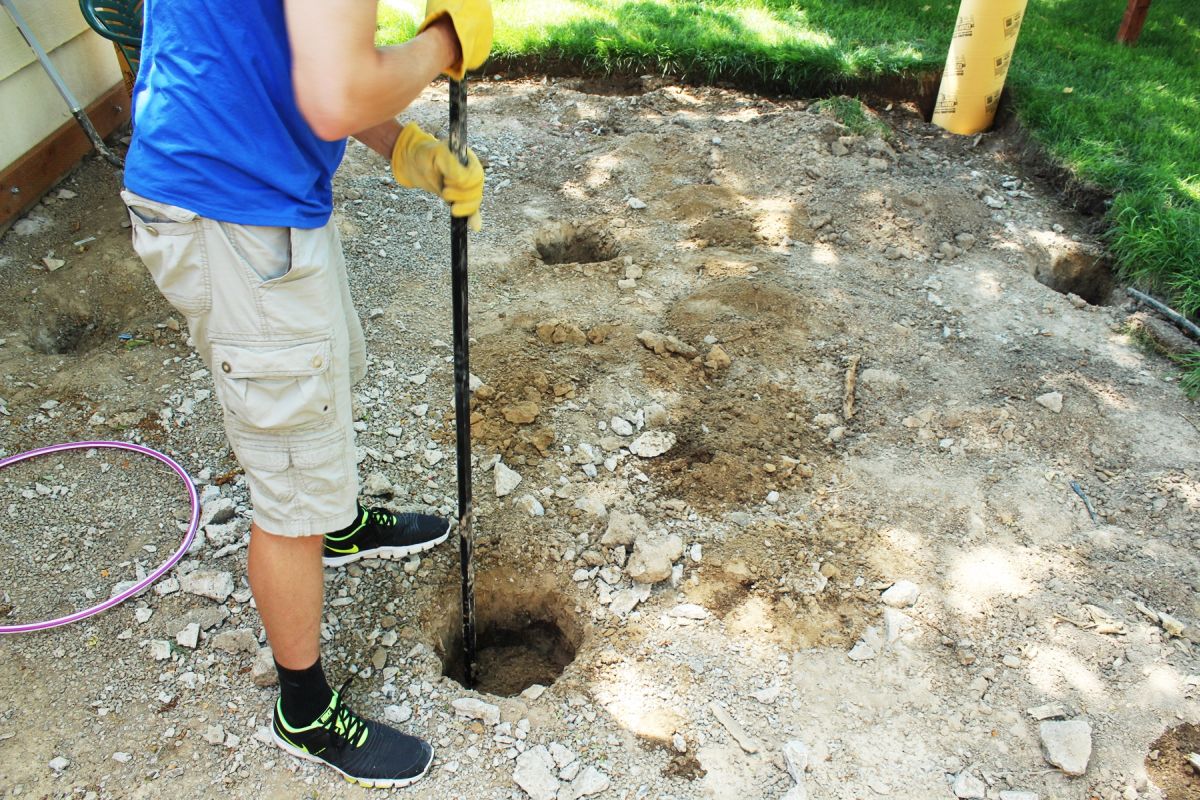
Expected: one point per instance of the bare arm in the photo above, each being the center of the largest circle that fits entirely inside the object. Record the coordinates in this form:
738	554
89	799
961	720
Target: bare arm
381	138
345	84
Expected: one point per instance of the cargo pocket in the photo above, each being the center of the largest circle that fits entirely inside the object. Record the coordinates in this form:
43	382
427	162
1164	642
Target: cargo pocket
170	242
266	469
323	468
275	386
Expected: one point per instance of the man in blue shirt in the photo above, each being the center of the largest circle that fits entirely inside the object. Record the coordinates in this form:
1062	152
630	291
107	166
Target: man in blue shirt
240	120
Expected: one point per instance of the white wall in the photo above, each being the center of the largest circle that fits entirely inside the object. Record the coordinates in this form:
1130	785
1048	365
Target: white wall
30	107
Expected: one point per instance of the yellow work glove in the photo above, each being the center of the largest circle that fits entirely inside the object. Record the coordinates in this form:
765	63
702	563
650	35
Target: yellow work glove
419	161
472	25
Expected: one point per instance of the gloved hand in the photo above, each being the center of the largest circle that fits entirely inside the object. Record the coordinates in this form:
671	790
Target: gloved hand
472	24
419	161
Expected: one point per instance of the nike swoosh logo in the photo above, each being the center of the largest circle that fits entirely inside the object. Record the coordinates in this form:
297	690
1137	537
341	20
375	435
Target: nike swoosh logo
348	552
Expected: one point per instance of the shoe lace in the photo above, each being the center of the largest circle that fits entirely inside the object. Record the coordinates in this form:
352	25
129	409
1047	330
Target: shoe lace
344	725
381	517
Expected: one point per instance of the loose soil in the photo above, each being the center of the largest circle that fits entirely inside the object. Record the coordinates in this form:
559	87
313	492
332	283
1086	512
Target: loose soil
716	218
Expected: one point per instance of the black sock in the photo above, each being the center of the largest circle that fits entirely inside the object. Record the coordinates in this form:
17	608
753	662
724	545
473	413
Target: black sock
304	693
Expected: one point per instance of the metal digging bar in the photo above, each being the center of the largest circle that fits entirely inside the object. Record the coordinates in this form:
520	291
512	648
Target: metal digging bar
76	109
462	388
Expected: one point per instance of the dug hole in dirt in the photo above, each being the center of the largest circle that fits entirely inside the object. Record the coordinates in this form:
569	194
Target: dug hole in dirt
783	436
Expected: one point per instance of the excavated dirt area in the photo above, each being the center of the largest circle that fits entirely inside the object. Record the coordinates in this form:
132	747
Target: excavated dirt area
751	370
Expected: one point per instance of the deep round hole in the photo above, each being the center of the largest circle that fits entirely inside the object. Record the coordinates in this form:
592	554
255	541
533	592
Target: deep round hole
572	243
524	634
62	334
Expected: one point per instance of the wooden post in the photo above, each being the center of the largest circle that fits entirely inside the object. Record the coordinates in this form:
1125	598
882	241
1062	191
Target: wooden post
1135	18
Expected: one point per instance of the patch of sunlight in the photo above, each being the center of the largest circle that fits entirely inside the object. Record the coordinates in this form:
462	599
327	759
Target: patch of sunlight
1106	393
1122	352
762	24
1163	689
987	285
824	254
980	577
634	700
1053	671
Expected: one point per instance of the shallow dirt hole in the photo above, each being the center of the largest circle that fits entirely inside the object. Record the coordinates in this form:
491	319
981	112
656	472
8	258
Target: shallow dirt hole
571	243
63	333
1091	279
526	634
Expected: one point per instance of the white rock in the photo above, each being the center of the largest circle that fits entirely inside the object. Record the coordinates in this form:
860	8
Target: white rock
534	692
901	594
862	652
795	756
1018	795
160	649
1051	400
652	444
591	781
772	497
214	734
767	696
1067	744
895	623
561	754
621	426
217	511
398	715
143	615
208	583
535	774
625	601
653	557
58	763
530	505
262	671
688	611
189	637
474	708
635	204
592	505
968	787
122	757
506	479
377	485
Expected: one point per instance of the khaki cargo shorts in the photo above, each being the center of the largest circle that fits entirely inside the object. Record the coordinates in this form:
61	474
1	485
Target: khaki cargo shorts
270	313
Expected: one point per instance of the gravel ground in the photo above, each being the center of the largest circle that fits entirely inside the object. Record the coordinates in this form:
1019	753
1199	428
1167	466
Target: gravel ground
795	416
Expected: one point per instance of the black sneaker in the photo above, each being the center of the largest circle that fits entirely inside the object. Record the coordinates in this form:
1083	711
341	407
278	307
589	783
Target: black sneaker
378	533
365	752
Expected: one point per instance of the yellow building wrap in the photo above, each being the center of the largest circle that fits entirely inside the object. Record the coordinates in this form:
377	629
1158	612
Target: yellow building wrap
985	37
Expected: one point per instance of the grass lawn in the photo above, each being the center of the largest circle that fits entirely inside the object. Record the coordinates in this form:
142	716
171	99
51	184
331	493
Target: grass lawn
1130	124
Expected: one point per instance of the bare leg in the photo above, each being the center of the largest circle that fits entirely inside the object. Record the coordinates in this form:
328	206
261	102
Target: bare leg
288	581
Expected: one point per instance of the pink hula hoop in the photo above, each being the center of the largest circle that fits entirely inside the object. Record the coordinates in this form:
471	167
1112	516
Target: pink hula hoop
141	585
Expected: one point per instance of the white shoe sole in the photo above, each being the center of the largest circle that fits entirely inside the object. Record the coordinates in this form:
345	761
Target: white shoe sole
391	553
397	783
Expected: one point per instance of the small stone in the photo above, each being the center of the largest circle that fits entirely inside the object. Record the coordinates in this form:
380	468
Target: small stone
652	444
862	651
1067	745
530	505
535	774
377	485
624	529
398	715
263	672
591	781
968	787
143	615
593	506
189	637
839	149
217	511
534	692
621	426
240	640
653	557
379	658
122	757
59	763
160	649
688	611
796	759
214	734
521	413
625	601
994	202
635	204
772	497
474	708
626	284
1011	661
208	583
433	457
506	479
901	594
561	754
1051	400
965	240
717	358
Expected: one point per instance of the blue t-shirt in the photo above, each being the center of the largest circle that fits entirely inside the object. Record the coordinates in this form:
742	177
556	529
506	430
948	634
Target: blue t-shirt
216	127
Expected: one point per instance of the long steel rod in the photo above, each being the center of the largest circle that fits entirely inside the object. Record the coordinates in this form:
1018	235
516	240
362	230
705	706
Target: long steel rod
462	387
77	110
